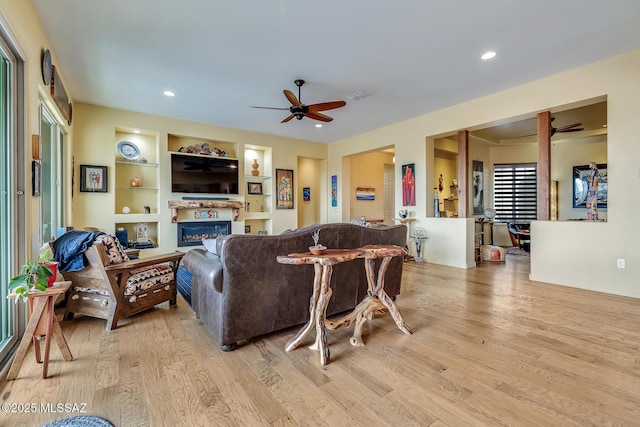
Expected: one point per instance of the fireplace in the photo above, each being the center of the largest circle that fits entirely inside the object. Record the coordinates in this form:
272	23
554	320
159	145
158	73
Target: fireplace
192	233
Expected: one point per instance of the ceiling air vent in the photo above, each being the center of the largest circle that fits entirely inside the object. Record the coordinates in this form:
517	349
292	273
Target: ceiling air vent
357	95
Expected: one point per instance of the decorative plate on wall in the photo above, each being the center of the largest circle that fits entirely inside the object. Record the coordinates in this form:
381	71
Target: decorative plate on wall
46	67
128	150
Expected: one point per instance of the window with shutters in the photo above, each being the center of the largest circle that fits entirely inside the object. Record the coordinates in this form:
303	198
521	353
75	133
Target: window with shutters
515	192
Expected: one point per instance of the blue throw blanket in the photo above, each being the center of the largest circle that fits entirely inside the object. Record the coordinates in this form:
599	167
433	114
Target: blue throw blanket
68	249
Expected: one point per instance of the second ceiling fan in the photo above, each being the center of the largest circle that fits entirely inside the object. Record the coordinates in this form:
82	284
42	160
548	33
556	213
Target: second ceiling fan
300	110
568	128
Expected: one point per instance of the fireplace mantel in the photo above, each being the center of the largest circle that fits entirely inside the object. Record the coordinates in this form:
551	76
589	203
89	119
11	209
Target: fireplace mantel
174	205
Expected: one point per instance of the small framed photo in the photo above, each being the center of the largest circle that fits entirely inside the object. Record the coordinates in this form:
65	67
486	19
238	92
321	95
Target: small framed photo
93	179
254	187
455	182
306	194
247	229
142	232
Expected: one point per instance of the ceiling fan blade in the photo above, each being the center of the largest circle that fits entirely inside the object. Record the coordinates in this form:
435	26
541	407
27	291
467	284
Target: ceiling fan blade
563	128
319	116
323	106
570	130
270	108
292	98
289	117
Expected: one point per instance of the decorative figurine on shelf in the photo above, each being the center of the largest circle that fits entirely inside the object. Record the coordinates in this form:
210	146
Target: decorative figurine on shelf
317	248
255	167
592	192
147	210
135	182
403	213
436	205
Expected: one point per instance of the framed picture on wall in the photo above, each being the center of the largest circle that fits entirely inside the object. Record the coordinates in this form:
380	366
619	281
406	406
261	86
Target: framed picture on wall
36	178
306	194
581	186
409	185
478	187
93	179
365	193
254	187
334	190
284	187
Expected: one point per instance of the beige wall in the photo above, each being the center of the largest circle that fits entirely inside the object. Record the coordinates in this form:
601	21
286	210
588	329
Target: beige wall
310	173
571	253
96	135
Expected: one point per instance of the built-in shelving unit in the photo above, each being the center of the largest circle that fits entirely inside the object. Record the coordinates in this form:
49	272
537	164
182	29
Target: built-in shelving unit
136	185
450	204
258	209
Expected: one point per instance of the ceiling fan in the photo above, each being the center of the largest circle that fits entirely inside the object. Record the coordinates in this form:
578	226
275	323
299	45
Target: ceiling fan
299	110
568	128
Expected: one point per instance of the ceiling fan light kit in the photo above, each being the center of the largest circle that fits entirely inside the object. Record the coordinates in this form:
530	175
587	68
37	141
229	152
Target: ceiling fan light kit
300	110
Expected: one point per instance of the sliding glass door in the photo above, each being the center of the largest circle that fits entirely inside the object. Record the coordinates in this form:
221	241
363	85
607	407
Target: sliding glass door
11	315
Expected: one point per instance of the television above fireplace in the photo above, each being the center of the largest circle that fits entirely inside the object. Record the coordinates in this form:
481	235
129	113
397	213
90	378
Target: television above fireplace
203	174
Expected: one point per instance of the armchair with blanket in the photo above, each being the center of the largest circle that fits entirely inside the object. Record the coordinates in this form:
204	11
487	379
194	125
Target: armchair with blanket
108	285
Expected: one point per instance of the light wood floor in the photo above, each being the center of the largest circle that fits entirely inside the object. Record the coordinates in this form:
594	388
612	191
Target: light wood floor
489	347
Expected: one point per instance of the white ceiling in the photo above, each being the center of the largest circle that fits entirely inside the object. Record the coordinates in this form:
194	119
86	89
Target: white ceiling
411	57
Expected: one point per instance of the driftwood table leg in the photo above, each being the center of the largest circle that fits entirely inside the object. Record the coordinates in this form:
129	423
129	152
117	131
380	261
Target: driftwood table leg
321	315
382	296
302	333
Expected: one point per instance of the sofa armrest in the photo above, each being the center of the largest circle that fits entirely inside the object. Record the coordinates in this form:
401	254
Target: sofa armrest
206	268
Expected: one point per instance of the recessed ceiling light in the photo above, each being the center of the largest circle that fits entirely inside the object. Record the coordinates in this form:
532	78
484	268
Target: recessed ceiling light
169	93
136	131
318	125
488	55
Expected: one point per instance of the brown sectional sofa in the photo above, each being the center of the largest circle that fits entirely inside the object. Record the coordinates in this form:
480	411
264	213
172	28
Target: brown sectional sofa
244	292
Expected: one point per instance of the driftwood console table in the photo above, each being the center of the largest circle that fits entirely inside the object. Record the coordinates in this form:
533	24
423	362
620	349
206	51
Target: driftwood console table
376	300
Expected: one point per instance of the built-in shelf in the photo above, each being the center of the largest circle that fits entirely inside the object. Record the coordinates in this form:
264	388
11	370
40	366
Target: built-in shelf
127	162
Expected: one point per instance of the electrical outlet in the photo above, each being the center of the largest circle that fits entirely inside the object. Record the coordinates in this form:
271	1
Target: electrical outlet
620	263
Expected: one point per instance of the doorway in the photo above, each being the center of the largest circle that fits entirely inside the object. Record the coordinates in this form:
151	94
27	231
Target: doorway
371	188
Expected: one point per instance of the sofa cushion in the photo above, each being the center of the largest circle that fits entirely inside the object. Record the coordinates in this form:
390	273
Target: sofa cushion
211	245
146	278
140	280
114	250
